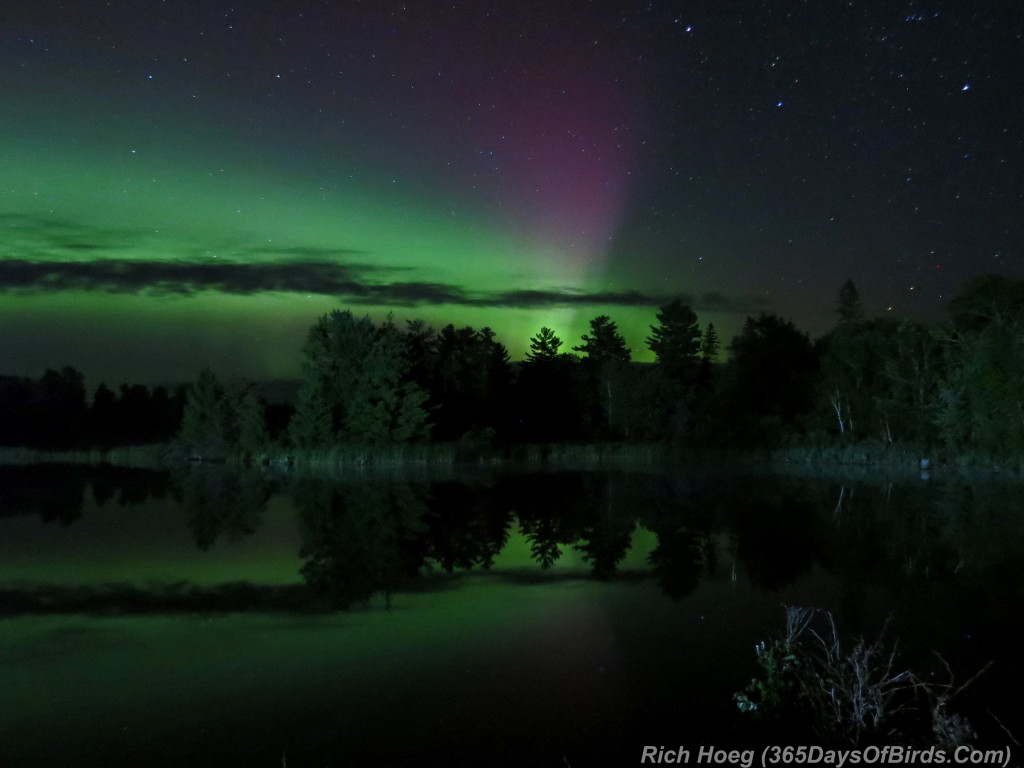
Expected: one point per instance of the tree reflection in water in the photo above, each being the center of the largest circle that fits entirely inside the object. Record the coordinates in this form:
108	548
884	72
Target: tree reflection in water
364	536
359	539
223	500
57	492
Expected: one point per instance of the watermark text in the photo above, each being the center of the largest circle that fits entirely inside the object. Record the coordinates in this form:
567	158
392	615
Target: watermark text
837	758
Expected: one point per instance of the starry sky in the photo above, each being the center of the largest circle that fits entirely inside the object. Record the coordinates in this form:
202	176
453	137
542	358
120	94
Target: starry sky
186	184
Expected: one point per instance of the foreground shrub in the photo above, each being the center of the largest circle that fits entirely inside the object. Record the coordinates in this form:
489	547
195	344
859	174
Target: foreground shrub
852	694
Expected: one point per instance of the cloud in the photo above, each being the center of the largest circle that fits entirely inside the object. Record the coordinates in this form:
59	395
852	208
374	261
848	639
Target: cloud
362	284
184	278
41	254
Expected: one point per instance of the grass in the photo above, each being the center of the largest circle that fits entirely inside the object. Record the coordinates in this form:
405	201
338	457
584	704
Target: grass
144	456
393	456
873	453
870	455
464	454
853	694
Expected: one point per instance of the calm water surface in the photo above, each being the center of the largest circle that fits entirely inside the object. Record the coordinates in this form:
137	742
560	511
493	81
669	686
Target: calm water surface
212	617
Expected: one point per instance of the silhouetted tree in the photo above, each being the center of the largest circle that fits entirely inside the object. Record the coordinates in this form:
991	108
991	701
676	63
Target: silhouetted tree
469	383
850	308
357	386
675	341
421	353
991	300
165	413
551	392
604	343
605	357
643	402
544	346
499	381
249	433
137	416
709	344
880	380
386	406
207	420
53	414
852	359
770	380
312	423
980	403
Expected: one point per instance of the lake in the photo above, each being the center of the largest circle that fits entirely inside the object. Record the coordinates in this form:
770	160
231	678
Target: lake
211	616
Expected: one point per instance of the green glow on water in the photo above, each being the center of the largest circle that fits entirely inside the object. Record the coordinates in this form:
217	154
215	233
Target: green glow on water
147	545
143	685
517	555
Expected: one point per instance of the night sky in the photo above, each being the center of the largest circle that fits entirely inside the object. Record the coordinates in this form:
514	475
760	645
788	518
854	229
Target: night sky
194	183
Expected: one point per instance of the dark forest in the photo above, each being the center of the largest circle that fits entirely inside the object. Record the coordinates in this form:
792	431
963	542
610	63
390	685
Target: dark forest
951	387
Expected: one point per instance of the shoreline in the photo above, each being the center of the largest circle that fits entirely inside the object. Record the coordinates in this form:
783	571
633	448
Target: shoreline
865	456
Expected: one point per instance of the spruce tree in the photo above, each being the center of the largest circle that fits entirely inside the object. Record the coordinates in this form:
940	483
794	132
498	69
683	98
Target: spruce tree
675	341
850	308
709	344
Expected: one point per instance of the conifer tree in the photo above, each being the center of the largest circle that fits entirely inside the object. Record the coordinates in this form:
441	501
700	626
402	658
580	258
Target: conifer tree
850	308
207	418
675	341
604	342
709	344
544	346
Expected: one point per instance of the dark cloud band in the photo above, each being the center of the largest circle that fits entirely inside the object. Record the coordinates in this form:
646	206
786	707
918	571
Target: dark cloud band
352	283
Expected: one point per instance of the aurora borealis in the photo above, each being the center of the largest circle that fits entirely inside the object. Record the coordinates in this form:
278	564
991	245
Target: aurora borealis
186	184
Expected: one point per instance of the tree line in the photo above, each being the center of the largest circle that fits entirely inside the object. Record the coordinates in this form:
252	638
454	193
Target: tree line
371	384
956	384
53	412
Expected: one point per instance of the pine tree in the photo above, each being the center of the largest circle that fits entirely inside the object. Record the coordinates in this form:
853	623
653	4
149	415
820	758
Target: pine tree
544	346
605	343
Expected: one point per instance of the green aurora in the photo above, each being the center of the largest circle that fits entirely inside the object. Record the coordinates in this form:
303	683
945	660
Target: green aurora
120	203
188	187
